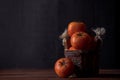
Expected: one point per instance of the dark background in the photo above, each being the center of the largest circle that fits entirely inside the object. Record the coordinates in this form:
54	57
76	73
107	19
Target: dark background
30	29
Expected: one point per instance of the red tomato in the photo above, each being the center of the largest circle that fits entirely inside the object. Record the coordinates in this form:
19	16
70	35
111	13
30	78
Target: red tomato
76	27
64	67
80	40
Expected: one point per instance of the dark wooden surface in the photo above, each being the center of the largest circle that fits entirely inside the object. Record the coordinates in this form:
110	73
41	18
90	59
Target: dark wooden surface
37	74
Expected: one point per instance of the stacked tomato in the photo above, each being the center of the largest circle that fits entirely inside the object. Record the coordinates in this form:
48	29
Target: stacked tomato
79	39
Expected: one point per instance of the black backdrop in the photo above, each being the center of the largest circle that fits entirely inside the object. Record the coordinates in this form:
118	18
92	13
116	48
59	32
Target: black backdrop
30	29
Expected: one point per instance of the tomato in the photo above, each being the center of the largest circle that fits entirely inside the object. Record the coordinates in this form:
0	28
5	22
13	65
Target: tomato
76	27
80	40
64	67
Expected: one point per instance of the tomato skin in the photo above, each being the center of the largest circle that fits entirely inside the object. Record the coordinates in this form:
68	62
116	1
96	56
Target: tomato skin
80	40
92	44
64	67
72	49
76	27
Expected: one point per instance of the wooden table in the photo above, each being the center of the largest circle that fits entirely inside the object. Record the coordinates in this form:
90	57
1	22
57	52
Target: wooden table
36	74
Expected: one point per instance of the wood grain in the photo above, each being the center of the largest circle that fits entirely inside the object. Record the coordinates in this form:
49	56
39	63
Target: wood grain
49	74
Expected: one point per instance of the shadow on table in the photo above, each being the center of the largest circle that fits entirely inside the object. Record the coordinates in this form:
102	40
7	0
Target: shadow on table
109	75
104	76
